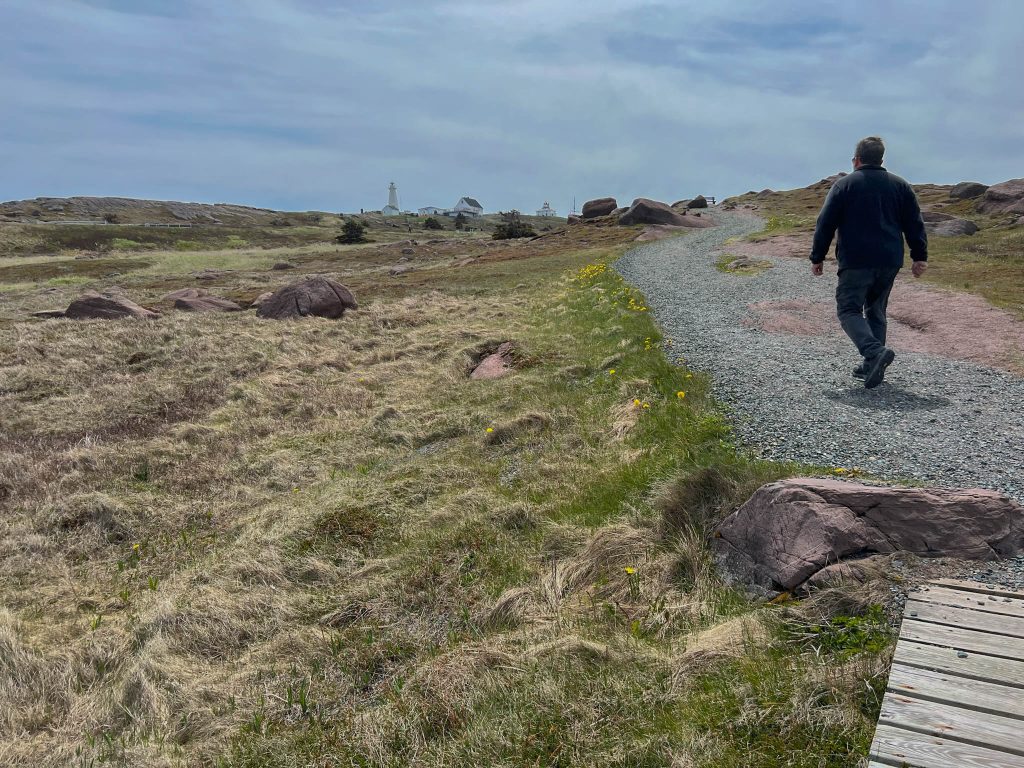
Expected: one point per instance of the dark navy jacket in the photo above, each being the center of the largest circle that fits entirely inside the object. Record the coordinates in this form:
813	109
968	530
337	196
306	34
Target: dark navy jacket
873	210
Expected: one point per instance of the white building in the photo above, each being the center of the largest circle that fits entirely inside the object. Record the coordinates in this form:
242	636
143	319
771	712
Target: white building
547	210
431	210
392	209
467	206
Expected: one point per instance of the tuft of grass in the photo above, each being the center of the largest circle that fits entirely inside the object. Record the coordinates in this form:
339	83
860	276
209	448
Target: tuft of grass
741	266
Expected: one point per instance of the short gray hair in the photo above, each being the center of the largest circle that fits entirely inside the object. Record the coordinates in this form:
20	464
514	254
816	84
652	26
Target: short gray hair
870	150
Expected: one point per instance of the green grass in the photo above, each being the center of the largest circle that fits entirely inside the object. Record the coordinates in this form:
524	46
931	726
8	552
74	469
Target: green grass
322	542
729	264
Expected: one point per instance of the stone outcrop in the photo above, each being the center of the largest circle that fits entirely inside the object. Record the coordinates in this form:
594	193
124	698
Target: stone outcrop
47	314
950	227
644	211
600	207
698	202
497	364
314	296
967	189
1007	197
206	303
790	530
107	306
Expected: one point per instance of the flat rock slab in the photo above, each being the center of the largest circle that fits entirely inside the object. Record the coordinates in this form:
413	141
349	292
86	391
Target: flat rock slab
109	306
790	530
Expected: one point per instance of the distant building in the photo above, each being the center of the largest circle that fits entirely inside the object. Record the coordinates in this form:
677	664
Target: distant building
431	210
467	206
547	210
392	209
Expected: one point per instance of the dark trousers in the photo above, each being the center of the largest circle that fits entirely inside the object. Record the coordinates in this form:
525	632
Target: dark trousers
862	297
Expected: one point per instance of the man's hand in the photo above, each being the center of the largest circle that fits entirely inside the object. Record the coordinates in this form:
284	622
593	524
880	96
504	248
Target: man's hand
818	269
919	267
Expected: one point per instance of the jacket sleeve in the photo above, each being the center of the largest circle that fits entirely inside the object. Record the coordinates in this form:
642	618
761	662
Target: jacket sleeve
913	227
828	221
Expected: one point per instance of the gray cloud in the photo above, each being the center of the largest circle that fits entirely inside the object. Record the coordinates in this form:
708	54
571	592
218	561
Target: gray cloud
310	104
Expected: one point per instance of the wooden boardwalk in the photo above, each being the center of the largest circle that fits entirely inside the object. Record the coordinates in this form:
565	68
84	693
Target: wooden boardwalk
956	689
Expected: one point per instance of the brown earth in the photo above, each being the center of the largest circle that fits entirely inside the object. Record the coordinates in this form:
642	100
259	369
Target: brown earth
922	318
928	320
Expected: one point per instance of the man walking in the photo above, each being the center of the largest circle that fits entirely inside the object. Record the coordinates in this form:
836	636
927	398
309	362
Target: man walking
873	211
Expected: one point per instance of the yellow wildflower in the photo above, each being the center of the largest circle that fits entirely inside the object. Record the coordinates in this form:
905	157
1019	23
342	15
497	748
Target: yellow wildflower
629	571
490	429
680	394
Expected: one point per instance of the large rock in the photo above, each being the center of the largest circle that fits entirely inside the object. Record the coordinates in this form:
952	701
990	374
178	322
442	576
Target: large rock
789	530
317	296
107	306
698	202
929	216
1007	197
951	227
600	207
206	304
967	189
644	211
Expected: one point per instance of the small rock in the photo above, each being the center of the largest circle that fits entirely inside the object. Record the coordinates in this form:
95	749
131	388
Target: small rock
185	293
282	265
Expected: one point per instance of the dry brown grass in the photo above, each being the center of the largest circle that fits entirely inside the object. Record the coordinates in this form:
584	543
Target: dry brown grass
284	543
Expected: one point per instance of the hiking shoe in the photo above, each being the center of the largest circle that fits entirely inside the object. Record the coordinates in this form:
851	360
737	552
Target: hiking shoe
876	367
861	371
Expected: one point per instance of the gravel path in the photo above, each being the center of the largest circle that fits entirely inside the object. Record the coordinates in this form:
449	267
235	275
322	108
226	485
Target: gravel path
934	420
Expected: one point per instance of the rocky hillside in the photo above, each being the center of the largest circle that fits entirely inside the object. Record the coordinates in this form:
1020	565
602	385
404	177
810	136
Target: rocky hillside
123	210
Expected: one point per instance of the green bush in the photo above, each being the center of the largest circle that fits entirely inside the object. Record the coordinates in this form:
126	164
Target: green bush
187	245
513	229
124	244
352	232
432	223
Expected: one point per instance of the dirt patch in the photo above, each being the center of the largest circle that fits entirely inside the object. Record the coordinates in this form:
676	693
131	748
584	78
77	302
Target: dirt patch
44	270
929	320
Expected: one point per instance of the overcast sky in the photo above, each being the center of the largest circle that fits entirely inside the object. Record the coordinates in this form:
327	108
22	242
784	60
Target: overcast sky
318	104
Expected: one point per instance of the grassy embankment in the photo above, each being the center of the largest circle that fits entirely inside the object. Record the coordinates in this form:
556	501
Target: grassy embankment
248	543
989	263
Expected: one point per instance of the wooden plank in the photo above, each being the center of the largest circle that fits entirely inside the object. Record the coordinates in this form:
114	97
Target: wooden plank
900	747
959	598
958	691
977	586
981	729
966	618
963	639
975	666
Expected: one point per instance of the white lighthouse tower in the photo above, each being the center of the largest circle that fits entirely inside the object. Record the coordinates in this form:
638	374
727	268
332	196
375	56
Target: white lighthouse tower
391	209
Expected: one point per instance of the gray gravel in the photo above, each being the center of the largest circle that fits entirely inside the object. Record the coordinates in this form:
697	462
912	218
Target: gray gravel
934	421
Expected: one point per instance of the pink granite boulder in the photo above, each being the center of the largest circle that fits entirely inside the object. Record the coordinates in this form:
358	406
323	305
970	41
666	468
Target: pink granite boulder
790	530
